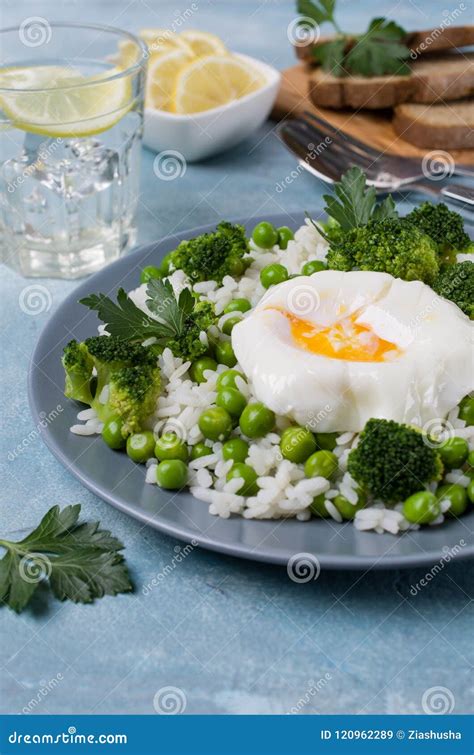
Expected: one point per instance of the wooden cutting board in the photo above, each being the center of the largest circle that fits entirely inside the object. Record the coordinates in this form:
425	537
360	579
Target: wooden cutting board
373	127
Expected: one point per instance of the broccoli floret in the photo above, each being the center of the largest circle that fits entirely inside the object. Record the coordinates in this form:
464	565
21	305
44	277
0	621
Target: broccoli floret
444	226
457	284
392	461
129	370
133	392
388	246
110	353
188	345
78	365
211	256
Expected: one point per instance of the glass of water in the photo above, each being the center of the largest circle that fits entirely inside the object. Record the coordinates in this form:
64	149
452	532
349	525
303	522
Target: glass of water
71	115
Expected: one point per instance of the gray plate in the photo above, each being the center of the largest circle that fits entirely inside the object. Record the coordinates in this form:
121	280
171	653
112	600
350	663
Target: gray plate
119	481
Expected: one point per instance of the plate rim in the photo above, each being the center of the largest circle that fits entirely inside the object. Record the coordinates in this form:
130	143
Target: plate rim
265	554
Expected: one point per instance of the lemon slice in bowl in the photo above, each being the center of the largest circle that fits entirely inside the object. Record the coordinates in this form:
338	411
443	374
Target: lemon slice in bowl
213	81
61	102
161	40
163	71
158	41
203	43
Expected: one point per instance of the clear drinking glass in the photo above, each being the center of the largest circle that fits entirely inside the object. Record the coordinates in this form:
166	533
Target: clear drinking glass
71	115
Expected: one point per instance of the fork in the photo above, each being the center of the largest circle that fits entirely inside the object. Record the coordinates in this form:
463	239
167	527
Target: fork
406	168
335	152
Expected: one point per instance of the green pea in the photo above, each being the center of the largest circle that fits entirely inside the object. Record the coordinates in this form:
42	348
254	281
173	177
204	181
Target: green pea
457	497
256	420
326	441
238	305
297	443
318	506
171	474
265	235
199	450
227	379
470	490
321	464
236	266
197	369
149	272
470	458
215	423
466	410
285	235
421	508
225	353
232	400
313	266
249	477
165	266
236	449
347	509
112	433
169	446
273	274
229	324
454	452
141	446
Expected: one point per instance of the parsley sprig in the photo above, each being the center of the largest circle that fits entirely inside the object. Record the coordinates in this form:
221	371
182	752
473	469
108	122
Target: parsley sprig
80	562
379	51
125	320
354	203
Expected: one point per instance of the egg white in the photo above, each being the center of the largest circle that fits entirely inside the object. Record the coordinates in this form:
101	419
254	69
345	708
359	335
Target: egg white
429	375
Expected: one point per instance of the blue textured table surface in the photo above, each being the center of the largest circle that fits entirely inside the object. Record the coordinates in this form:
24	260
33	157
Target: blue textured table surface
235	637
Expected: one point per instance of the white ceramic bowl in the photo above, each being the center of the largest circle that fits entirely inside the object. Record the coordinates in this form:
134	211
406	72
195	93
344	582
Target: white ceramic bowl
204	134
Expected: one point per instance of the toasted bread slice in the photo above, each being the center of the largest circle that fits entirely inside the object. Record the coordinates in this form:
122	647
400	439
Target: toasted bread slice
440	39
433	78
436	126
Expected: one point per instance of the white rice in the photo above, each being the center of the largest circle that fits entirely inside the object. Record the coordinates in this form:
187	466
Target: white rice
283	489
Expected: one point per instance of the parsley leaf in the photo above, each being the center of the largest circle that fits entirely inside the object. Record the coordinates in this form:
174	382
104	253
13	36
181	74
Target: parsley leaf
125	320
80	562
355	203
330	55
379	51
319	10
162	302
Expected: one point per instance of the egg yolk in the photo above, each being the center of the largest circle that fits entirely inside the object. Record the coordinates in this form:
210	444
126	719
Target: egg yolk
344	339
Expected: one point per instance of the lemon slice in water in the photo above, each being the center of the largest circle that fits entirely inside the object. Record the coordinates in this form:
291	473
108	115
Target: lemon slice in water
60	102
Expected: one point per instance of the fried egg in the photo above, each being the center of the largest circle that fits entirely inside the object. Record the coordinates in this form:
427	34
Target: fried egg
334	349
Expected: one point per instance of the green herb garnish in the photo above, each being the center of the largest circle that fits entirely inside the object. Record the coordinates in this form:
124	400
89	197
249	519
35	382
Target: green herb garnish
355	203
180	319
125	320
80	562
380	50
